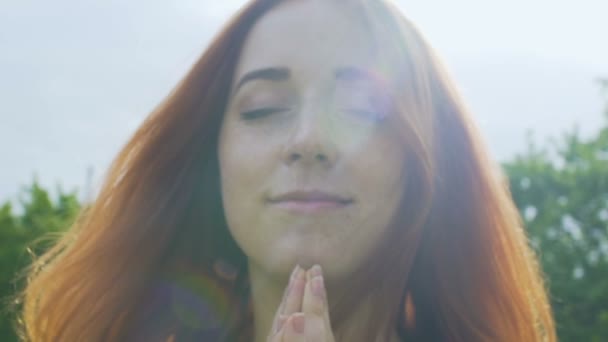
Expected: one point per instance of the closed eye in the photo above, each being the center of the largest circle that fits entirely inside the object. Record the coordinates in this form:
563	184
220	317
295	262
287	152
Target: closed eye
260	113
369	114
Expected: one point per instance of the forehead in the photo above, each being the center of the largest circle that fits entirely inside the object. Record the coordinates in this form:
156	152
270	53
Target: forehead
310	36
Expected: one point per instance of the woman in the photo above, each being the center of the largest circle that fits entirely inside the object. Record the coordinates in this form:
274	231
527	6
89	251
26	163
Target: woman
319	136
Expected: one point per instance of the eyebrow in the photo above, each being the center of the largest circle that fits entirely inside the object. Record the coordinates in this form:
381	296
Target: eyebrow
270	74
349	74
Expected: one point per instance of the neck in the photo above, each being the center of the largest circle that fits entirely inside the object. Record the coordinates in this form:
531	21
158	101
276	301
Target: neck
267	291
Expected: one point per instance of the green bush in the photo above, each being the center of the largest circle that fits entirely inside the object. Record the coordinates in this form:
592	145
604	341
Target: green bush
18	233
562	194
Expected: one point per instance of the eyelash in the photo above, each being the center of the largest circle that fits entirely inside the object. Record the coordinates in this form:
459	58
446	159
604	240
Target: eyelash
376	116
259	113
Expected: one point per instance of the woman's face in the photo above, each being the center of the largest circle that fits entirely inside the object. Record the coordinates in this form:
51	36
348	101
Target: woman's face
312	166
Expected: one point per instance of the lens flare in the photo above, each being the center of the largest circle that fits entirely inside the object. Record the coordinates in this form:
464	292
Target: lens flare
190	303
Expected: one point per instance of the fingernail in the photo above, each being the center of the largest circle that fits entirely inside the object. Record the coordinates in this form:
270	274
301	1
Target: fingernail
316	271
318	287
297	323
295	271
293	277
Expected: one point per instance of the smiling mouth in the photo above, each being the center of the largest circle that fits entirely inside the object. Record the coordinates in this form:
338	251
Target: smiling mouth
310	202
309	207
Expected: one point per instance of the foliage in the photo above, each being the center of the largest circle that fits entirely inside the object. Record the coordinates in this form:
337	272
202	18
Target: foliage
562	193
21	236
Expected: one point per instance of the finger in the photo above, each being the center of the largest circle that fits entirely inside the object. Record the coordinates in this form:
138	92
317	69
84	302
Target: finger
317	330
314	293
313	329
293	301
277	336
278	314
294	328
278	323
315	299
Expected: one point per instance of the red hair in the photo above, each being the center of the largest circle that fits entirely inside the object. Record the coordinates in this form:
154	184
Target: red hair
457	265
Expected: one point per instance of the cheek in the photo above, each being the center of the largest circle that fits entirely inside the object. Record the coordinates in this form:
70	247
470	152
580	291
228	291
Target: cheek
245	170
244	159
238	189
384	157
239	175
380	175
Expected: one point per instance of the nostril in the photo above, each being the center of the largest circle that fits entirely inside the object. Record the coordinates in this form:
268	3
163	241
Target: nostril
318	157
294	156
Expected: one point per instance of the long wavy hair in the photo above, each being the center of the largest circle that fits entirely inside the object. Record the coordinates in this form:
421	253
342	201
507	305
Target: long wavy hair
151	258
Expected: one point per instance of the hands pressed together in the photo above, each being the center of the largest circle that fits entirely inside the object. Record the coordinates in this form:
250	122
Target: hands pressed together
303	314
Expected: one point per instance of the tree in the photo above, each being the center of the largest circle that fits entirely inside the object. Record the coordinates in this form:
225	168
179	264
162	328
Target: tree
20	239
562	193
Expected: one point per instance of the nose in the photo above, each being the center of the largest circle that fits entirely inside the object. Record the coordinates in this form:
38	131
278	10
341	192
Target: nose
311	141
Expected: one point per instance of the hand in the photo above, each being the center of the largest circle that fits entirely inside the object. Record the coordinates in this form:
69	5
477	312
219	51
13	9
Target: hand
303	315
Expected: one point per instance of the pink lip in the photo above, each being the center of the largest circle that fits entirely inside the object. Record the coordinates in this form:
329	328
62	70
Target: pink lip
308	202
309	207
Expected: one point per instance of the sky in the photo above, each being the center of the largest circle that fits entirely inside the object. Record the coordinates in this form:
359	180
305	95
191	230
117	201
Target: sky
78	76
